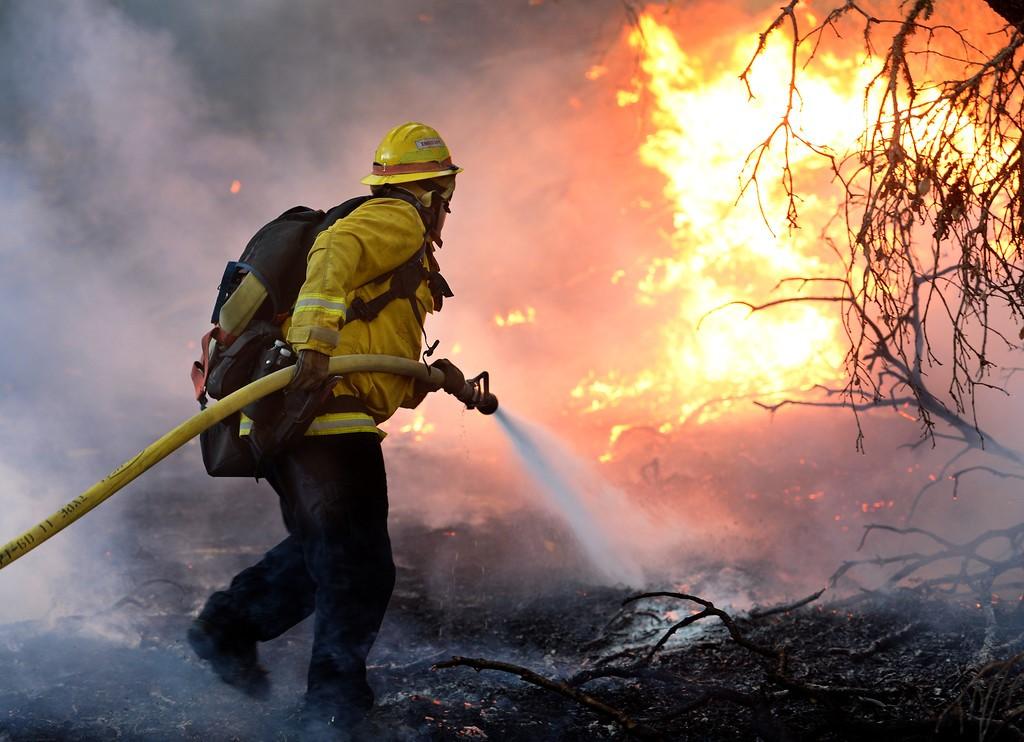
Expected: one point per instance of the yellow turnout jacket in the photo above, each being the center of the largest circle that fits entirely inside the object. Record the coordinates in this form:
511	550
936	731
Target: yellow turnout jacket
343	263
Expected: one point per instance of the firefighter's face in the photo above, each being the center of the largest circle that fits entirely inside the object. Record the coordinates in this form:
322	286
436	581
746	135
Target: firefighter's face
447	187
441	216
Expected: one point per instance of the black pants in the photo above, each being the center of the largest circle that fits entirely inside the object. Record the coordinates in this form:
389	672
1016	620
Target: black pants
336	561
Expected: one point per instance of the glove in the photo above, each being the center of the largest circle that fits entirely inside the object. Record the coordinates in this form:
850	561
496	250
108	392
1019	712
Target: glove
310	371
454	380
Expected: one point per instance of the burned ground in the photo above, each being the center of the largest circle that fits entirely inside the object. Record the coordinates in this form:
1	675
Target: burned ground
900	666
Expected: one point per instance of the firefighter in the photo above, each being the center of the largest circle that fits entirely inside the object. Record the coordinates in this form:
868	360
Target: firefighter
336	562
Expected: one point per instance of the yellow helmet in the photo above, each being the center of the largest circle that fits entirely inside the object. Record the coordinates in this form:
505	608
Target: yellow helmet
410	152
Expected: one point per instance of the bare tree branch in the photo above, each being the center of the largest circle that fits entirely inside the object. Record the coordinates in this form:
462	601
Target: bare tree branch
635	728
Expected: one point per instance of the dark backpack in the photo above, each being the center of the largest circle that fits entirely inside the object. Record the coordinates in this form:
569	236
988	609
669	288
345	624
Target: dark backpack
276	255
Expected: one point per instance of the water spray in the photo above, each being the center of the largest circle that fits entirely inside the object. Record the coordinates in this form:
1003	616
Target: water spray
566	480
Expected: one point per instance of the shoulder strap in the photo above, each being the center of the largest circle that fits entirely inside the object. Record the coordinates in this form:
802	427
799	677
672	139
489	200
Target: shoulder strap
405	279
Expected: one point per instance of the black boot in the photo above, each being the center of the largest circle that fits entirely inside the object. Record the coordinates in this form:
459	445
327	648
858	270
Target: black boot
235	660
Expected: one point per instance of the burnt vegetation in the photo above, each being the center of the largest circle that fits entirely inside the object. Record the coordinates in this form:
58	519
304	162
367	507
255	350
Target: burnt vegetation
540	660
932	653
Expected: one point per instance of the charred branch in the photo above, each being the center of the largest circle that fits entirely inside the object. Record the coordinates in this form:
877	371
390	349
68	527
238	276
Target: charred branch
638	730
977	577
881	643
787	607
709	610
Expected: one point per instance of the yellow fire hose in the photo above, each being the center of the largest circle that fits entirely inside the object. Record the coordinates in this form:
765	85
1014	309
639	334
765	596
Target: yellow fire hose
188	430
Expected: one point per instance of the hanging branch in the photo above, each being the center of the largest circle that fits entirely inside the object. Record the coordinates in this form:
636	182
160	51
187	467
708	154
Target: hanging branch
933	200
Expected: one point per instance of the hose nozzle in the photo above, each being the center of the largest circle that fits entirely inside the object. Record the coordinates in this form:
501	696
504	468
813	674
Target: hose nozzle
477	394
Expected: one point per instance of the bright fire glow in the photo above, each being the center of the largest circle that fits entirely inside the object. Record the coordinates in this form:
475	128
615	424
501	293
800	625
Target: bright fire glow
703	125
525	316
419	427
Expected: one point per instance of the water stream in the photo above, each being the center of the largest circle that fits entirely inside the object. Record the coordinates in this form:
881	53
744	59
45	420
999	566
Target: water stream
579	495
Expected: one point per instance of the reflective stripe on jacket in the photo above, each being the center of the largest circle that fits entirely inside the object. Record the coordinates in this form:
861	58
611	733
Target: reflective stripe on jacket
330	424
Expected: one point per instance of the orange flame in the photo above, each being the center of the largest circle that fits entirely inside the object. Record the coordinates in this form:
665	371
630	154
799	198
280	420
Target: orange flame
703	125
419	427
525	316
